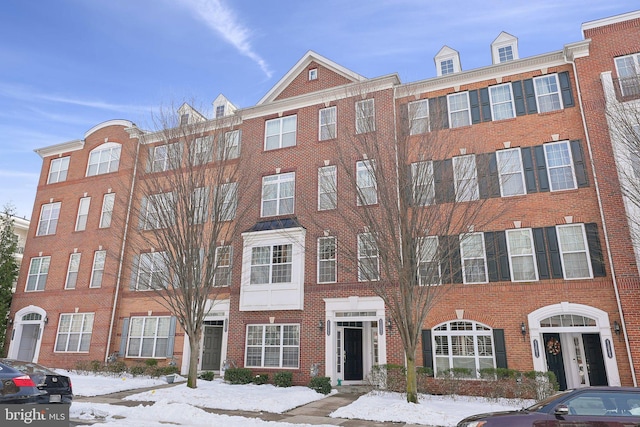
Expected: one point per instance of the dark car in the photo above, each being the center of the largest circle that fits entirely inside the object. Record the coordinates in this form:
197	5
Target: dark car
590	406
16	387
56	387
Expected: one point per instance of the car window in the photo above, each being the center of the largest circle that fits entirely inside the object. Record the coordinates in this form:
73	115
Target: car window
538	406
609	404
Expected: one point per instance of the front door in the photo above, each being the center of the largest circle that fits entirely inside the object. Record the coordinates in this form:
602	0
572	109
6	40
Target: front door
211	348
28	341
595	360
555	363
353	354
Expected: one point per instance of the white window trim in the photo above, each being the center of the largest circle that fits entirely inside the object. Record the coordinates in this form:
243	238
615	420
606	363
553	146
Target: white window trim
313	74
470	179
420	256
502	172
532	255
328	173
39	275
559	92
47	229
228	201
281	132
451	111
141	337
333	260
95	269
332	113
474	332
170	159
220	266
635	80
423	187
83	213
279	179
108	204
511	102
81	333
263	346
271	264
369	167
110	147
365	124
74	255
463	258
61	164
571	165
585	251
361	256
156	271
413	117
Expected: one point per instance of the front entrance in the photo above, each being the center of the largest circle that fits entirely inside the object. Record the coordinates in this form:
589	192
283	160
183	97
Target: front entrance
212	346
575	359
28	342
352	354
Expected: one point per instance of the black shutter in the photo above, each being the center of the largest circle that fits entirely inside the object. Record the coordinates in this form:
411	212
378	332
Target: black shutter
565	87
438	115
530	96
445	259
485	103
529	171
595	250
500	348
409	186
149	164
541	168
541	254
427	351
518	98
449	247
405	123
456	261
443	181
554	252
475	106
579	164
502	255
443	111
492	262
488	179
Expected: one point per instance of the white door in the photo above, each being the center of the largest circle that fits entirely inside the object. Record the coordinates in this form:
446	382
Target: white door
28	341
576	367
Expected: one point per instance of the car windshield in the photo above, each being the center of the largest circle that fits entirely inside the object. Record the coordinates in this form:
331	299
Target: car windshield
536	407
29	368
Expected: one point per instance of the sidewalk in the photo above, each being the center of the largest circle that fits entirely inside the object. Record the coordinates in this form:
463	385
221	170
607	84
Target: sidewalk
312	413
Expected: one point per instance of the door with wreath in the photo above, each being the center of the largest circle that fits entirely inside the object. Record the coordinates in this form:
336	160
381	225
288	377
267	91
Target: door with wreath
555	362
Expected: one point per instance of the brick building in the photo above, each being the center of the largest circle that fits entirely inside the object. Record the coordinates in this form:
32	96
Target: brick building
542	284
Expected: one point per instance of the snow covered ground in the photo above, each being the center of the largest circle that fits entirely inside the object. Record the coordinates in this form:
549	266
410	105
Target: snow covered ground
180	405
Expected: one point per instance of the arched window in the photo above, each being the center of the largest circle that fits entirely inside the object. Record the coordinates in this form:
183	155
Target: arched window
104	159
31	316
463	344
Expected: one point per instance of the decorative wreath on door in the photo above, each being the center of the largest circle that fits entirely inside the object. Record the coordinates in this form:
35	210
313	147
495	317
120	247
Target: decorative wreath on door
553	346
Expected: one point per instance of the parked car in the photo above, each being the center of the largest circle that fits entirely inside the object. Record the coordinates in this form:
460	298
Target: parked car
16	387
56	388
602	406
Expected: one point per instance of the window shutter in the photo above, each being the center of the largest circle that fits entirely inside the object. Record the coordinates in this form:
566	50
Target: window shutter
438	114
488	180
134	273
456	259
578	164
502	256
208	154
172	337
427	350
595	250
530	96
518	98
565	87
445	258
219	147
475	106
443	181
492	263
405	123
180	154
494	178
554	252
149	164
205	217
123	337
486	104
240	140
541	168
500	348
541	253
444	112
143	213
529	171
408	188
449	247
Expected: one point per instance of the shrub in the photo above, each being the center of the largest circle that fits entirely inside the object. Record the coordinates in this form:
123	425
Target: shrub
238	375
283	379
170	370
207	375
320	384
95	366
151	362
117	367
260	379
137	370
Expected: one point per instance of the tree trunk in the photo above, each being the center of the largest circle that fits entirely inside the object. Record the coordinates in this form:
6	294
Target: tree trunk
194	347
412	381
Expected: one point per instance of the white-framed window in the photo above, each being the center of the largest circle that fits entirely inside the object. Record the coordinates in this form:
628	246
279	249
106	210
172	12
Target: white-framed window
104	159
560	166
474	259
502	105
83	213
419	117
459	111
222	276
74	332
227	201
510	172
48	222
574	251
271	264
368	258
219	111
547	91
280	132
327	187
273	346
38	272
522	258
108	201
422	185
505	53
278	194
327	123
97	271
446	67
365	116
231	147
466	178
327	267
463	344
429	271
313	74
152	271
628	69
166	157
366	185
58	170
72	271
148	336
159	211
199	203
202	150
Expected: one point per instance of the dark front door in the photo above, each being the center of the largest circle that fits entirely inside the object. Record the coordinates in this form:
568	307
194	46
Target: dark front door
353	354
594	359
555	364
211	348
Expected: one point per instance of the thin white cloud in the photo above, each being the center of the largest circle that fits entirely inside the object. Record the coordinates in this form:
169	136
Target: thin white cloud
223	20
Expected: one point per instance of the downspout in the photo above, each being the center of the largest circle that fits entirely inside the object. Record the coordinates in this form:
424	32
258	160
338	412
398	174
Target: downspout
602	218
124	242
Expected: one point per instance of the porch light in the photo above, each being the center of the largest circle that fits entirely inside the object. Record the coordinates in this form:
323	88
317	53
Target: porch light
389	324
320	325
616	327
523	329
46	320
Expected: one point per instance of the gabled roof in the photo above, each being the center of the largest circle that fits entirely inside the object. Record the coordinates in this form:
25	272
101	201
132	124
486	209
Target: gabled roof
300	66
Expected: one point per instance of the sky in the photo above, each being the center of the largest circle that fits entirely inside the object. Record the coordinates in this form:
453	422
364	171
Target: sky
68	65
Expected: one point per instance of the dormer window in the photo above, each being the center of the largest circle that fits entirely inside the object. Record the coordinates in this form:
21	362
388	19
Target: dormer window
219	111
313	74
446	67
505	54
504	48
184	119
447	61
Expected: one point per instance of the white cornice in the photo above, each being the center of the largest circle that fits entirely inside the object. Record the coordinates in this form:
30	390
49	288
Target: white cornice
580	49
58	149
610	20
146	137
124	123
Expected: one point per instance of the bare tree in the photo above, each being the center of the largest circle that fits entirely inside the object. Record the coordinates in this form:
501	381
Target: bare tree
188	184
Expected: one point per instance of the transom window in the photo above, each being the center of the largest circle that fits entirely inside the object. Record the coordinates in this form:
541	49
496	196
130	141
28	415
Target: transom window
107	210
422	185
574	251
327	123
273	346
152	271
74	332
567	320
58	170
148	337
463	344
628	68
511	172
271	264
521	255
465	178
278	193
327	188
223	266
327	259
474	260
97	272
560	166
83	213
368	258
365	116
459	112
38	272
428	261
280	132
547	93
48	222
72	271
367	189
502	106
419	117
104	159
